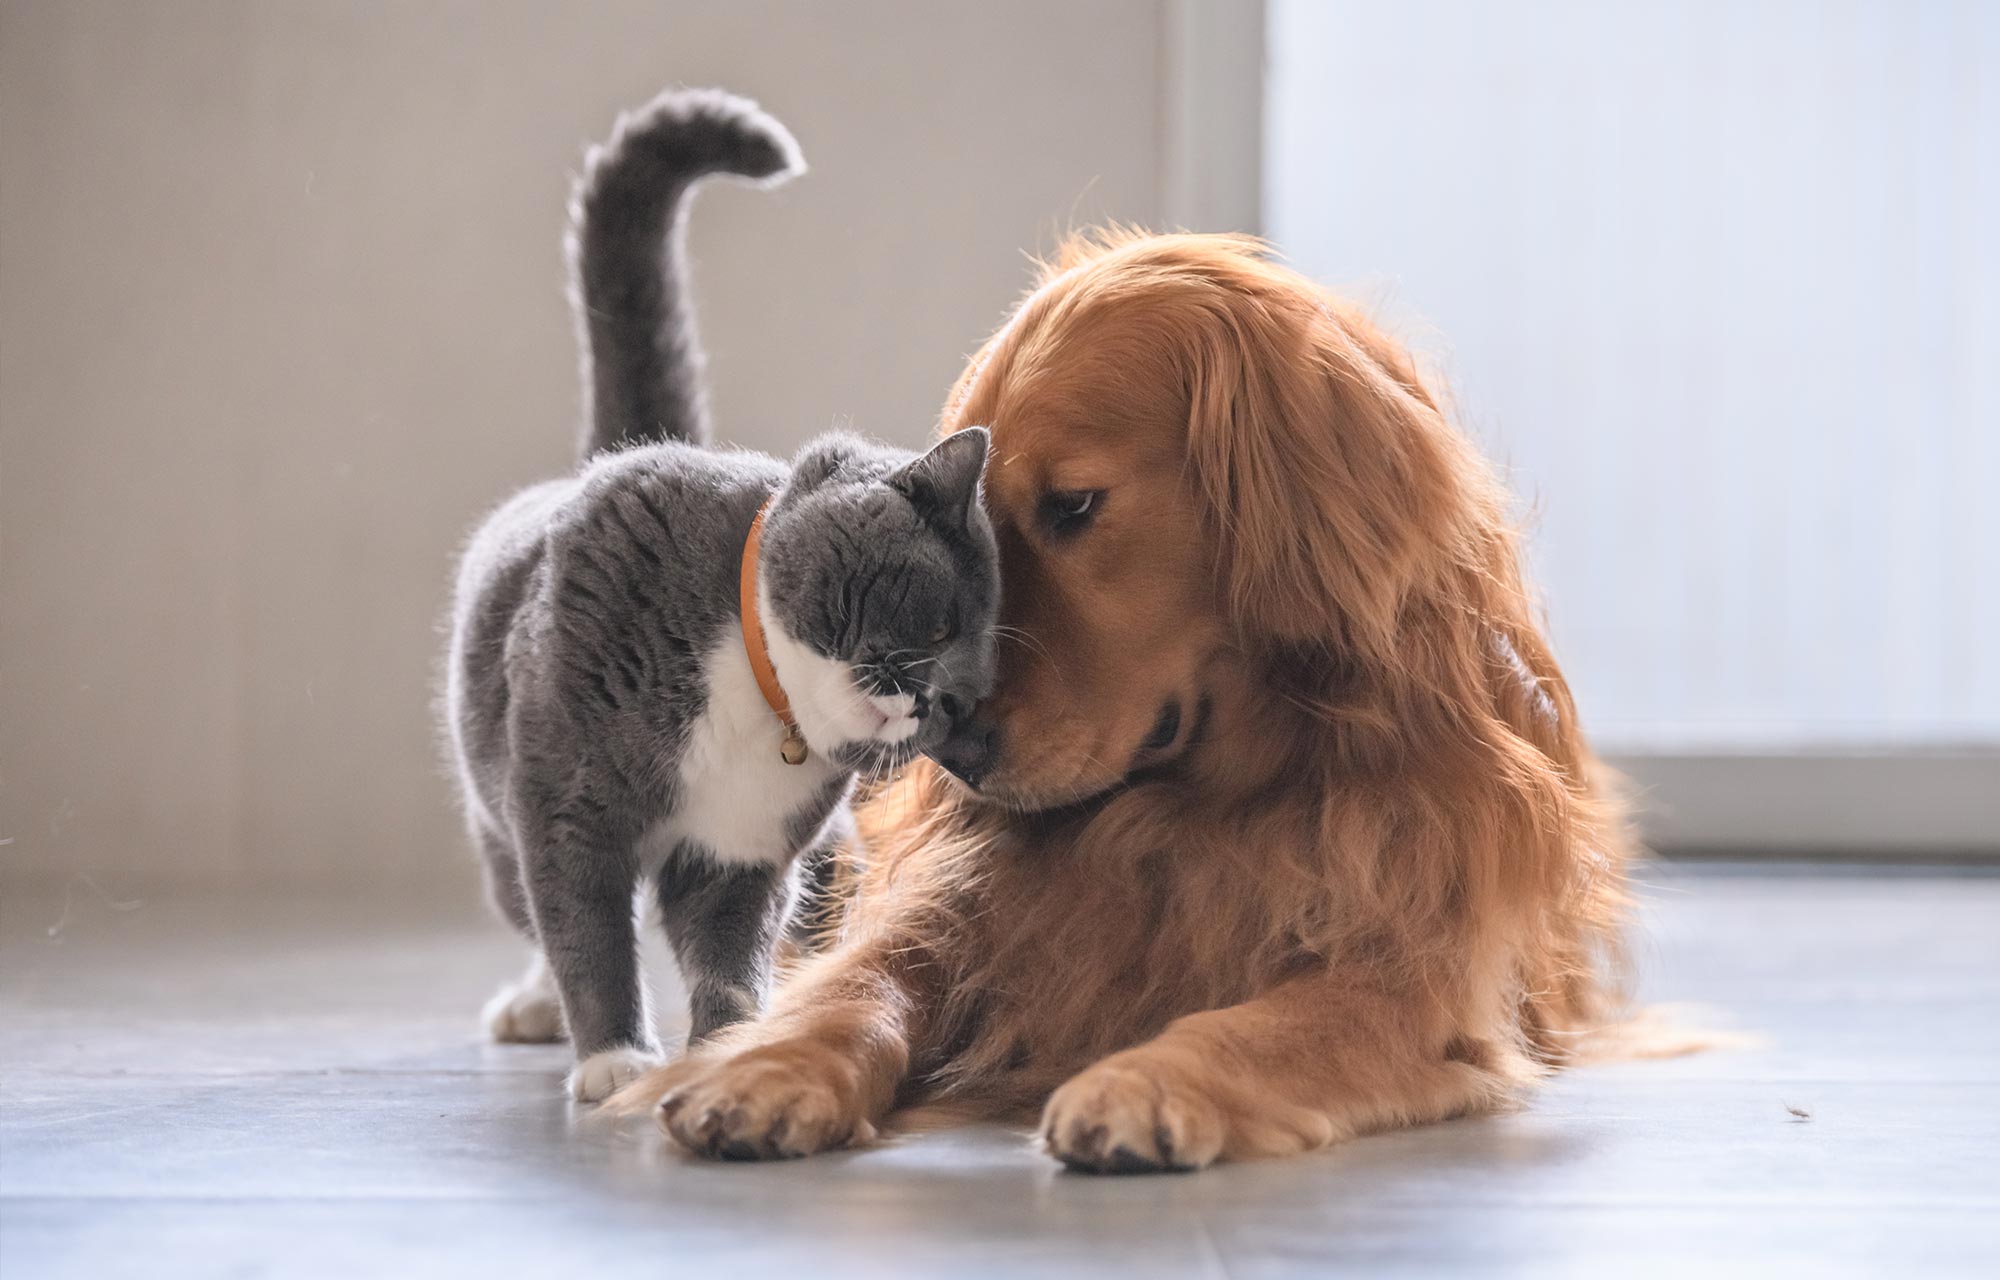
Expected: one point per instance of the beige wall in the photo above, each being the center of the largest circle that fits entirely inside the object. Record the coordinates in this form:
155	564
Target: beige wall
281	312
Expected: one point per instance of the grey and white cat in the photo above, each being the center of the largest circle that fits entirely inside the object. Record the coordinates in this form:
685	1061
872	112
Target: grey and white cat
604	716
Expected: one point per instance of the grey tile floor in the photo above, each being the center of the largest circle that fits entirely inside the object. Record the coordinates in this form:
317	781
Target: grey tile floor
297	1089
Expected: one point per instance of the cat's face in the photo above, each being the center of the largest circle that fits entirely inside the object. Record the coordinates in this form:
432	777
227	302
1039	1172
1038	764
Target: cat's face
880	586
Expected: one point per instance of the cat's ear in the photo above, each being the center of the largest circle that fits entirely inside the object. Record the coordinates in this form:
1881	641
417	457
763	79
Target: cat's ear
823	459
944	483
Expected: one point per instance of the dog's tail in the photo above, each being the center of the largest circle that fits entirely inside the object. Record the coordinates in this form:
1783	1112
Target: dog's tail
1657	1031
642	362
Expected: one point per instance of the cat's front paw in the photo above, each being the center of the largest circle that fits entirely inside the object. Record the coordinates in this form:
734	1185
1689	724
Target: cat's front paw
780	1101
607	1071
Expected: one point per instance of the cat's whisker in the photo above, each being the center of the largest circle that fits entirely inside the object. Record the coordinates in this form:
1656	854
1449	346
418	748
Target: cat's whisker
1020	637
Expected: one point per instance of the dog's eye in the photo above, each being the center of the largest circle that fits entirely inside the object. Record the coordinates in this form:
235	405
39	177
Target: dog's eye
1069	510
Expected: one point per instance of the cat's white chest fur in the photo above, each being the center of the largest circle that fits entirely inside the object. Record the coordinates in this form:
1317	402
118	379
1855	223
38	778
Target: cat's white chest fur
737	795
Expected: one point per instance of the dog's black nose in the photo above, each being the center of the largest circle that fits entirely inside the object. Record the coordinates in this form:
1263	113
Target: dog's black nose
968	751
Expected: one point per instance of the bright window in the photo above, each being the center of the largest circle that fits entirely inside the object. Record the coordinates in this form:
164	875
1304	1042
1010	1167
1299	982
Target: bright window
1720	285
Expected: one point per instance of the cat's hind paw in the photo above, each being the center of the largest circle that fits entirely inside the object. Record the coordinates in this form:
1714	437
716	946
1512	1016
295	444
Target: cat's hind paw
525	1012
606	1072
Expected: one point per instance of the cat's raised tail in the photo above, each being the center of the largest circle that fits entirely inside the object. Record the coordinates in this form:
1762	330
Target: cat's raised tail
642	361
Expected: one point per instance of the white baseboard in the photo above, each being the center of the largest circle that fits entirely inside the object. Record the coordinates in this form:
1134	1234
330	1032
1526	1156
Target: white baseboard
1906	804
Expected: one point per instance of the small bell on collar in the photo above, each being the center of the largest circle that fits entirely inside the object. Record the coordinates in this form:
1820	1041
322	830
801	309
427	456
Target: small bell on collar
793	749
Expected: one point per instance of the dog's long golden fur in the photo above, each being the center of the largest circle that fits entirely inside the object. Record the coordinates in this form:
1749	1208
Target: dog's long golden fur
1372	876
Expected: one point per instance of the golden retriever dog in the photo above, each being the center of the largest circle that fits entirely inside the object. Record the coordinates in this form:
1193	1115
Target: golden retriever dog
1279	827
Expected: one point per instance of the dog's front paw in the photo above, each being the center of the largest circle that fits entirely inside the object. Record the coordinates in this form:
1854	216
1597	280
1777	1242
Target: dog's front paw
607	1071
780	1101
1125	1115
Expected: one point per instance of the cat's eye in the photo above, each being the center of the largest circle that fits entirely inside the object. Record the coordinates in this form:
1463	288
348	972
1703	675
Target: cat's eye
946	628
1067	511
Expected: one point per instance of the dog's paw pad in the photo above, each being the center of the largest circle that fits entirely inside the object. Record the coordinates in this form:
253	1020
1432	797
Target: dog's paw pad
772	1105
1122	1118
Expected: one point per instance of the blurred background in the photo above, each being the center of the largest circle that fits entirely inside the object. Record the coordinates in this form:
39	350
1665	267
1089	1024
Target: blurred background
281	314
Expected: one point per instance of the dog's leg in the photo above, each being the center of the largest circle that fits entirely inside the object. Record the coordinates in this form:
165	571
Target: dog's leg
1311	1062
818	1072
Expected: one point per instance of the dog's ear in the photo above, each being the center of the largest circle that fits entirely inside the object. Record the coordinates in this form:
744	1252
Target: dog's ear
1334	488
